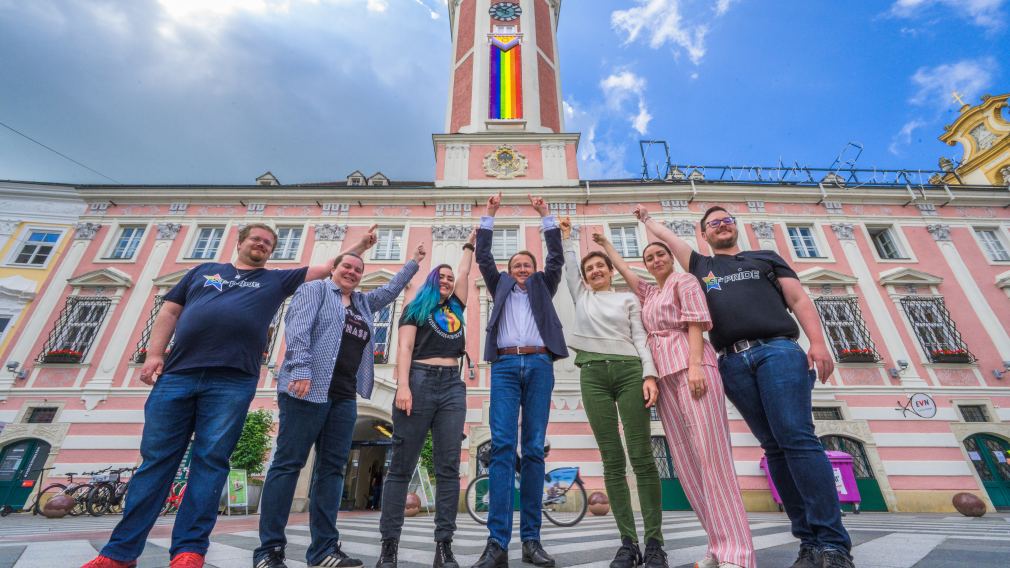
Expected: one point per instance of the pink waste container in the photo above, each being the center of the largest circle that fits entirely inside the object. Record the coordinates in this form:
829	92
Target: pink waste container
845	479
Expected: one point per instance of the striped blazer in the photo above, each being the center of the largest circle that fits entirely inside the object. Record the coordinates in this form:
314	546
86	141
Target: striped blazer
314	327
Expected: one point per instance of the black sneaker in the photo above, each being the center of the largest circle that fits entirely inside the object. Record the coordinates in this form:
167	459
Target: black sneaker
443	555
833	558
808	557
337	559
494	556
655	556
387	558
628	556
273	559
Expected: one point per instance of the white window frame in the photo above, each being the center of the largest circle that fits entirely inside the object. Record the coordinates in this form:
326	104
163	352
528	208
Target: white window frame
500	241
1000	240
198	236
132	246
390	243
288	248
24	240
888	234
619	236
813	239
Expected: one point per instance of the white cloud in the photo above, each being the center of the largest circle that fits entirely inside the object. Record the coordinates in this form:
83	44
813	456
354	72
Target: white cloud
599	158
904	136
935	85
377	5
663	22
621	86
988	14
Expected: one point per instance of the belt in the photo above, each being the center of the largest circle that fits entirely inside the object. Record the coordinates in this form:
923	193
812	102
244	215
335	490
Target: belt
521	350
745	344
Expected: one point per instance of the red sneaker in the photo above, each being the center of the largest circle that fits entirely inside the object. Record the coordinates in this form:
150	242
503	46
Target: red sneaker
106	562
186	560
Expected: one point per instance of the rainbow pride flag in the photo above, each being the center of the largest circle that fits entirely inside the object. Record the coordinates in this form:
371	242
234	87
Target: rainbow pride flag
506	88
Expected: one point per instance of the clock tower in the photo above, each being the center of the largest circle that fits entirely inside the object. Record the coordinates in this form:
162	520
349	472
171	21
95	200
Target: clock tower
504	119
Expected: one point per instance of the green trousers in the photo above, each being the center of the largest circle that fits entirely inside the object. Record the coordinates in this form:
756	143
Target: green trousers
610	388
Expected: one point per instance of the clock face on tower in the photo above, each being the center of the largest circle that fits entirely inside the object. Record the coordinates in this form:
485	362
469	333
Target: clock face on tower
505	11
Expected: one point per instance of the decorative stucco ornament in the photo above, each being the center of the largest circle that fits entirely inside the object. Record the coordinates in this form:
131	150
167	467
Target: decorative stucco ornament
505	163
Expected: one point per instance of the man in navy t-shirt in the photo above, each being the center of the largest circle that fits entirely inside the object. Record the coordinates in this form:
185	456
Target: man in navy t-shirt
220	315
766	374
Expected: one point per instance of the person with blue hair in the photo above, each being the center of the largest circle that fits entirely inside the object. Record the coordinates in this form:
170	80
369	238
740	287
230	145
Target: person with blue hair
430	396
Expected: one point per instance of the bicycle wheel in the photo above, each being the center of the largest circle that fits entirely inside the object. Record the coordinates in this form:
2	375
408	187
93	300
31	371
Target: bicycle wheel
80	495
50	491
99	499
118	498
567	512
477	498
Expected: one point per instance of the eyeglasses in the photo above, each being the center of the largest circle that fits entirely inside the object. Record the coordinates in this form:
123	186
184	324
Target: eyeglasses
716	223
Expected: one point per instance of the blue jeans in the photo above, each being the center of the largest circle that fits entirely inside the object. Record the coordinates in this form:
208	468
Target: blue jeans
770	385
330	427
210	406
524	381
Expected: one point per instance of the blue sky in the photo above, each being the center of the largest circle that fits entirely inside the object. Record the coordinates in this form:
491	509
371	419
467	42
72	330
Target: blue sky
219	91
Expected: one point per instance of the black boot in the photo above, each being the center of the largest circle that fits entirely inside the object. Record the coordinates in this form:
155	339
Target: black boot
834	558
535	554
628	556
443	555
387	558
655	556
808	557
494	556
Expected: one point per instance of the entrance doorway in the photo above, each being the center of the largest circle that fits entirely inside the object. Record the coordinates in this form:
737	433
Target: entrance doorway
674	498
367	464
21	466
872	499
990	455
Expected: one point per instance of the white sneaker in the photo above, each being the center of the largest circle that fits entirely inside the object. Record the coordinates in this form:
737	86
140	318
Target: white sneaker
729	565
707	562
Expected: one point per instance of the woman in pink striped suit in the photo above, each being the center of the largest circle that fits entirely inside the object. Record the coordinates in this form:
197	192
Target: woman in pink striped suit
692	405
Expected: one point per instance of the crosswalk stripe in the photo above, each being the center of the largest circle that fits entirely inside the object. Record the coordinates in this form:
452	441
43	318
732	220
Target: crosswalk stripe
225	556
896	550
51	554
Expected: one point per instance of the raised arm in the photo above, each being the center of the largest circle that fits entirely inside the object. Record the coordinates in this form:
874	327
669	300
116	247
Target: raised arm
366	242
384	295
485	235
462	288
572	275
629	275
681	250
552	238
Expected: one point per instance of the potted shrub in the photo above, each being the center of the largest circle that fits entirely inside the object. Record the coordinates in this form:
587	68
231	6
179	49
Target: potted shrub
252	450
951	356
63	356
857	355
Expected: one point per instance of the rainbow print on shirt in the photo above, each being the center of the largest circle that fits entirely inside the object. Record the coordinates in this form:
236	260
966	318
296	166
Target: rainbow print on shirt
216	281
711	282
505	92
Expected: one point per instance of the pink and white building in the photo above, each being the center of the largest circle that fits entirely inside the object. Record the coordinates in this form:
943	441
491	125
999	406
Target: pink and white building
910	272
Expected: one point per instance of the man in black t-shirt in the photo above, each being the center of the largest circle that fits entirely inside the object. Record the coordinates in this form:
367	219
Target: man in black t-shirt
766	374
219	314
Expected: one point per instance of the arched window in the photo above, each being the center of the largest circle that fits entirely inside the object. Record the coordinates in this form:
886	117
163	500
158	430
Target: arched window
860	464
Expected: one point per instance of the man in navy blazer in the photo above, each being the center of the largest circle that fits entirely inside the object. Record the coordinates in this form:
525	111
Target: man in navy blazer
524	338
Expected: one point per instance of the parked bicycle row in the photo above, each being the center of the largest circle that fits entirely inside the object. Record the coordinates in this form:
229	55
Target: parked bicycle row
105	492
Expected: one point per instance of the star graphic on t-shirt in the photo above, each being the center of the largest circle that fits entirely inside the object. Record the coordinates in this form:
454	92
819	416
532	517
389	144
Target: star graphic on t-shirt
215	281
711	282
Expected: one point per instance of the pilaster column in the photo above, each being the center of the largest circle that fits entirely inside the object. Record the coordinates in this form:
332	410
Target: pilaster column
878	307
979	305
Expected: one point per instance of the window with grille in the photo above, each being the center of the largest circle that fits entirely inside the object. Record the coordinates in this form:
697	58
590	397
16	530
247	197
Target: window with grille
935	329
661	453
382	321
127	243
803	242
208	240
885	243
973	413
843	324
272	334
505	243
288	241
860	463
42	415
37	248
387	245
993	245
827	413
625	240
76	328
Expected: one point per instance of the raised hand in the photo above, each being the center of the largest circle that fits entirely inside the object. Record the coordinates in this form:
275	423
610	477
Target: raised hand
493	203
472	239
419	253
539	205
566	228
601	239
641	213
369	239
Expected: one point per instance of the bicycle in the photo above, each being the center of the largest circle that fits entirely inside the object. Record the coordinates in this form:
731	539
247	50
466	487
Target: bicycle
564	500
77	491
109	493
34	506
174	500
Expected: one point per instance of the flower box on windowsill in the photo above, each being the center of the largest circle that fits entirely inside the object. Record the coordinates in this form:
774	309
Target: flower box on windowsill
954	358
857	358
63	356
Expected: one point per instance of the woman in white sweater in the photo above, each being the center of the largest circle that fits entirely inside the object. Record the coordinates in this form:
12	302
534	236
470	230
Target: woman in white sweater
618	378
